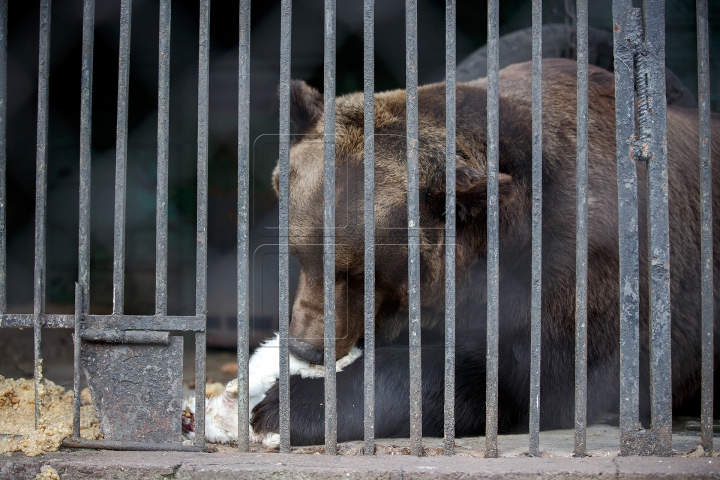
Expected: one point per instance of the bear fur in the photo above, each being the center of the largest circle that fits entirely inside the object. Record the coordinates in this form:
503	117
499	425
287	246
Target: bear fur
558	258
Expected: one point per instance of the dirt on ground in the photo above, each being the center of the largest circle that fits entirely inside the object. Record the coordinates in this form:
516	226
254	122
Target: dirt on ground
17	417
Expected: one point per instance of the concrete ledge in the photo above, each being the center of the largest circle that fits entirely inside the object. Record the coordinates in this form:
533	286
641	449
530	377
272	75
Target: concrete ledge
157	465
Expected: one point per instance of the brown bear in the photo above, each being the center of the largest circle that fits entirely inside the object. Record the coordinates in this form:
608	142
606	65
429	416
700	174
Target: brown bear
558	259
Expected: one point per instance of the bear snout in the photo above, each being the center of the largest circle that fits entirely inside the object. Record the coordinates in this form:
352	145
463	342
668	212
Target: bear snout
305	351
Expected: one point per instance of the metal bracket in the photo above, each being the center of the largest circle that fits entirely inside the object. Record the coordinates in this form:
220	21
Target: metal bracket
135	379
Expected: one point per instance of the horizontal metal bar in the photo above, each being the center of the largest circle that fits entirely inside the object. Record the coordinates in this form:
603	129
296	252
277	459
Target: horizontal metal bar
138	446
130	336
122	322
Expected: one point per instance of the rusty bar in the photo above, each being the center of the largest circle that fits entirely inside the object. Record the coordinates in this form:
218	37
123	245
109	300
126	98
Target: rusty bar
706	436
369	192
284	200
121	157
128	336
200	366
625	20
413	200
658	227
77	342
41	194
536	290
3	154
137	446
161	223
581	233
127	322
202	213
243	271
450	86
88	40
493	265
329	232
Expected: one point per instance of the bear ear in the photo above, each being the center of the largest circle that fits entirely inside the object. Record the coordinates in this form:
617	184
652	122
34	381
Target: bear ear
306	106
471	191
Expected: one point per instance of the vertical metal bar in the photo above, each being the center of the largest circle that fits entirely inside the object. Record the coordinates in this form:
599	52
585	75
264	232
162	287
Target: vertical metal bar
3	153
121	157
41	193
284	200
86	151
82	287
581	232
625	20
243	272
493	259
76	361
706	436
329	231
161	223
200	358
202	194
413	227
369	187
450	85
536	291
658	229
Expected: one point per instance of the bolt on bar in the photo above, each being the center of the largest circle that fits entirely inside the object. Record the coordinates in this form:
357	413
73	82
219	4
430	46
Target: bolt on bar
658	229
625	19
493	242
284	201
581	233
329	231
706	436
413	199
243	270
121	157
41	193
369	187
161	223
536	295
3	153
450	166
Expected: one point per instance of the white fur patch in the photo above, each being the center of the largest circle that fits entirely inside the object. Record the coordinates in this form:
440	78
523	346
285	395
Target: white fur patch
264	369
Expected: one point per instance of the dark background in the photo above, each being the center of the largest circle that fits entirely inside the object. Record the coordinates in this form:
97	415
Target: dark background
307	57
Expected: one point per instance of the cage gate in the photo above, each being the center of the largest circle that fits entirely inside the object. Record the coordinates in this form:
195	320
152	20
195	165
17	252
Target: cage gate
125	357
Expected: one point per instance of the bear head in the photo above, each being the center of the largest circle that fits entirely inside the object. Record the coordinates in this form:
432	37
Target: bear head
390	207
